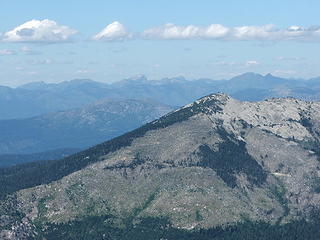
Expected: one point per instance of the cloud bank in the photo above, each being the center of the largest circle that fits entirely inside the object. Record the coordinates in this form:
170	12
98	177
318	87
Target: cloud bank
45	31
220	32
48	31
113	32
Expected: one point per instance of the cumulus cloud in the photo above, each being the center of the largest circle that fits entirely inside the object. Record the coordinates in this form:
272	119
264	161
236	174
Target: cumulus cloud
5	52
171	31
219	32
45	31
113	32
48	31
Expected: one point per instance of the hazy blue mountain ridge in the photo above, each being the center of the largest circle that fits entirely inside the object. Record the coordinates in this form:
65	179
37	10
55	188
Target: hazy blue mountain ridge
77	128
38	98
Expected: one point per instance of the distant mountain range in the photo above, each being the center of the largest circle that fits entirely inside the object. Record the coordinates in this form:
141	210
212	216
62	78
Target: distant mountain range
77	128
38	98
217	168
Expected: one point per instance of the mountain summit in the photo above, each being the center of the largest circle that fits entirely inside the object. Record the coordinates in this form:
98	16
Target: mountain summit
215	162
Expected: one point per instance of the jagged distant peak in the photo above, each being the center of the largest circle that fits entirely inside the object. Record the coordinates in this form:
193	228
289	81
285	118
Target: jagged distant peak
269	75
80	81
43	84
273	77
247	75
83	80
177	79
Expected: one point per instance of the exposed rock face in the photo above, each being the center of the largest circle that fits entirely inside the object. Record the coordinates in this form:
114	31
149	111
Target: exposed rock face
215	161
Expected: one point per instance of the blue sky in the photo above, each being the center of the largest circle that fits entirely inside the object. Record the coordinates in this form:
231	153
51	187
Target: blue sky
111	40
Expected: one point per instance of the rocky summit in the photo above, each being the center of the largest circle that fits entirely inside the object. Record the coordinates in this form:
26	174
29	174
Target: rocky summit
215	163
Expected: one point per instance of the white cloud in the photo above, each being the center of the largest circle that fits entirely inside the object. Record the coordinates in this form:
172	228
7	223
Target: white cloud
4	52
219	32
252	63
113	32
48	31
45	31
171	31
263	32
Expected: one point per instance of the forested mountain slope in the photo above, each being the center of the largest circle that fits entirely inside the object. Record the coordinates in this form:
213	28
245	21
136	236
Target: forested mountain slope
218	168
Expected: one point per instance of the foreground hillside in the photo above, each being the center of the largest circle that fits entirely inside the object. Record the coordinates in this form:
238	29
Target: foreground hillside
215	169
